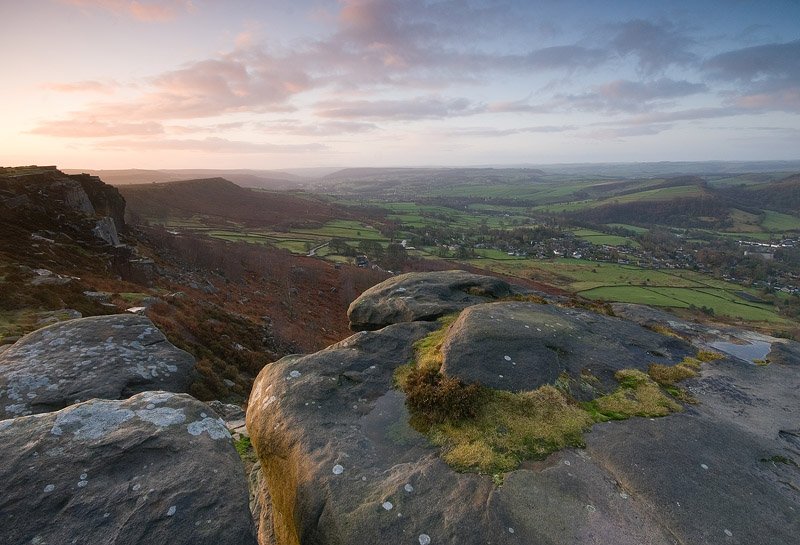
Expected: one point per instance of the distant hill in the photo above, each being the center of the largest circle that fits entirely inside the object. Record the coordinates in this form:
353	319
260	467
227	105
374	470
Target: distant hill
782	195
223	200
263	179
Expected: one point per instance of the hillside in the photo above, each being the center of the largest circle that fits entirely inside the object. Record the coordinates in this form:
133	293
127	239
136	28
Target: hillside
221	202
264	179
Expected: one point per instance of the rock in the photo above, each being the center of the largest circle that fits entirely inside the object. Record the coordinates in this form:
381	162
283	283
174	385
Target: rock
99	296
227	411
109	357
342	465
422	296
332	436
520	346
106	230
157	468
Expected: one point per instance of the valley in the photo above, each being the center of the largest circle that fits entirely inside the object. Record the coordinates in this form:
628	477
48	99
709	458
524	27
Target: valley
710	246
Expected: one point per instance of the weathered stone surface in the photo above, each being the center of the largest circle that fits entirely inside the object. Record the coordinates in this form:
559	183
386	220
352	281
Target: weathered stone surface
109	357
342	465
422	296
726	469
157	468
520	346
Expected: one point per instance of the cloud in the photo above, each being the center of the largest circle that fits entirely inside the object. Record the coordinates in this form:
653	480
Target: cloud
568	57
767	76
147	11
770	62
655	45
327	128
78	128
489	132
88	86
404	110
632	96
211	145
624	132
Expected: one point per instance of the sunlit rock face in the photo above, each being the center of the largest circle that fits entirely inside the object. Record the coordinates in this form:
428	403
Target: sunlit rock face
157	468
342	464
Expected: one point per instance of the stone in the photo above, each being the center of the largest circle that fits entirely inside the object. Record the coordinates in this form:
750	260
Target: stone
123	472
339	468
489	344
109	357
336	447
422	296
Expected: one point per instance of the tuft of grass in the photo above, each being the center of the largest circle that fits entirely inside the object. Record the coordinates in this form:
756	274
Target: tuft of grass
663	330
428	350
761	363
708	355
434	398
526	298
509	428
668	375
638	395
245	449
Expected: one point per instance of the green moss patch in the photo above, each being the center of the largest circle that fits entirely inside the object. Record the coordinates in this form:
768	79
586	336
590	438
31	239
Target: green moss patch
491	431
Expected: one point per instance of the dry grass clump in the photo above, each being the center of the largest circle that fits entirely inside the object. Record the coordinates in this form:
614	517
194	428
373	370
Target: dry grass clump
638	395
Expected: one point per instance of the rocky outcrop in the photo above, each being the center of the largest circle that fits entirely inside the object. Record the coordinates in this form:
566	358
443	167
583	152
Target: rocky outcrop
158	468
342	464
108	357
77	205
520	346
415	296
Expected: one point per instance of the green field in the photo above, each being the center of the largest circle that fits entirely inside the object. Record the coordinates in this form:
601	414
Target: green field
777	222
596	237
630	284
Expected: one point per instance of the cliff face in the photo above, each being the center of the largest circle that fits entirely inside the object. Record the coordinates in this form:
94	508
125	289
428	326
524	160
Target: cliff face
562	446
39	198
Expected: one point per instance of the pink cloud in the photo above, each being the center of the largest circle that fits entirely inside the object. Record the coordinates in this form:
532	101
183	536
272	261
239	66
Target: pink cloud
81	87
152	11
78	128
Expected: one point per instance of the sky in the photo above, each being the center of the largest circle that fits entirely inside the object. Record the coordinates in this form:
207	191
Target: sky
264	84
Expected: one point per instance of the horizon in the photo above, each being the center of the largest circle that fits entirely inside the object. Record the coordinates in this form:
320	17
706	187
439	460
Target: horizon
325	84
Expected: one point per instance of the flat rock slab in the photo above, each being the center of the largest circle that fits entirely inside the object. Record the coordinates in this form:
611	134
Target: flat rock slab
422	296
343	465
158	468
725	470
107	357
520	346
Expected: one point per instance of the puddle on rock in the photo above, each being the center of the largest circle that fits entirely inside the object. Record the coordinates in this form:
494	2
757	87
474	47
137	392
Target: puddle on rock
749	352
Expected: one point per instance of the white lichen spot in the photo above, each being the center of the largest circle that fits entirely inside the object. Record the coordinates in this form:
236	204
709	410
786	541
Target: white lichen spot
136	487
424	539
591	508
408	487
510	530
623	495
162	416
338	469
728	533
106	515
49	488
295	374
215	428
92	420
81	484
363	478
567	463
171	510
704	466
387	505
84	476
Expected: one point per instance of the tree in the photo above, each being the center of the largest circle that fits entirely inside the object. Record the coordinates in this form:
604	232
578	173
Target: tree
395	256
